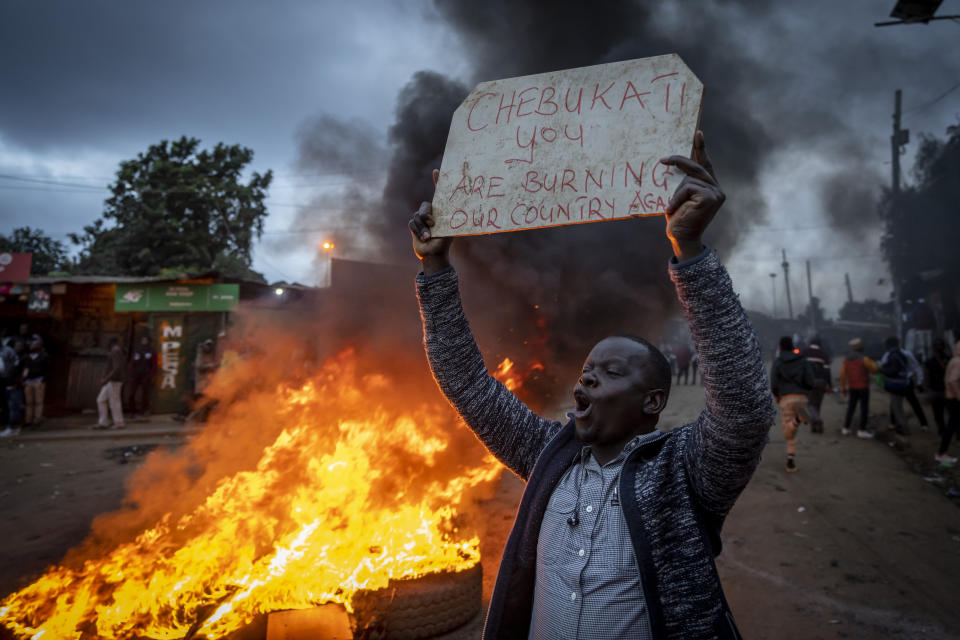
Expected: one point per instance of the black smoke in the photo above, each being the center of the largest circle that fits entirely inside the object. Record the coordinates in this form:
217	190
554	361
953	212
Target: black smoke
555	292
558	291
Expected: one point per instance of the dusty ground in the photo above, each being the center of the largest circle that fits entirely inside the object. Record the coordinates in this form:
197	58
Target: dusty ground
861	542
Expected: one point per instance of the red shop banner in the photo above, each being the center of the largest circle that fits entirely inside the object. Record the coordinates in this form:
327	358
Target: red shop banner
15	267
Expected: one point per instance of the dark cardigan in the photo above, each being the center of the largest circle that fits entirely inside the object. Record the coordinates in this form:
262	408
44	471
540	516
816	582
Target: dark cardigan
677	489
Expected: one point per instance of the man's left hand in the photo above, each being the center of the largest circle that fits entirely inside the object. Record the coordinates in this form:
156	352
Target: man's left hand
694	203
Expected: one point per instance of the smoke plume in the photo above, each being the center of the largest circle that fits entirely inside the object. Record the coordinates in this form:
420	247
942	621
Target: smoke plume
555	292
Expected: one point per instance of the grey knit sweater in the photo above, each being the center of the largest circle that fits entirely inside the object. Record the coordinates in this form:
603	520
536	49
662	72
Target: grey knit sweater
676	489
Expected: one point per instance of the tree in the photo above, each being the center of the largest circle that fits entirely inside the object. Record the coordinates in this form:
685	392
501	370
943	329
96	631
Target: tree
867	311
48	254
178	208
921	231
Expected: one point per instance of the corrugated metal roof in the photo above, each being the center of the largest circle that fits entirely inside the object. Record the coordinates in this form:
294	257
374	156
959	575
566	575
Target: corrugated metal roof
93	279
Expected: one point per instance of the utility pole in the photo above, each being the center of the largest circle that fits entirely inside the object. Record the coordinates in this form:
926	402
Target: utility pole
899	138
846	279
773	282
813	315
786	283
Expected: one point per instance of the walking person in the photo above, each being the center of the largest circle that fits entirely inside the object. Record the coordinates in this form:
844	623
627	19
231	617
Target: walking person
855	375
936	370
36	368
12	385
205	367
112	388
683	363
822	381
143	367
952	393
791	379
925	323
896	381
915	375
694	363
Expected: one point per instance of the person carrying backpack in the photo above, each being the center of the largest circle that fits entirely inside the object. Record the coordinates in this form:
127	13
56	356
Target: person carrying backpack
822	381
791	379
896	382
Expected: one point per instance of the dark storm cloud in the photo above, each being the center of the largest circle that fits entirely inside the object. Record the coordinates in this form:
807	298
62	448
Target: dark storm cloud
811	80
89	72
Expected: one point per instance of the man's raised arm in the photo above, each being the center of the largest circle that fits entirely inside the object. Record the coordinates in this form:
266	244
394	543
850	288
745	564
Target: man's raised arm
508	428
731	431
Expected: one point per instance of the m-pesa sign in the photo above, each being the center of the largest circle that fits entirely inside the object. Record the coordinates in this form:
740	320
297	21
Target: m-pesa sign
568	147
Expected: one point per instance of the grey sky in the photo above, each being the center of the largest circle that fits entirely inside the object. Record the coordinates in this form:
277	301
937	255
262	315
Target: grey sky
85	85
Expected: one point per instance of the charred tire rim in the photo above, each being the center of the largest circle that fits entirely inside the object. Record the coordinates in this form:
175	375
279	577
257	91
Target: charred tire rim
420	607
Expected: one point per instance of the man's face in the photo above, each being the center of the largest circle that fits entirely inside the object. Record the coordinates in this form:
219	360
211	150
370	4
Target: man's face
612	393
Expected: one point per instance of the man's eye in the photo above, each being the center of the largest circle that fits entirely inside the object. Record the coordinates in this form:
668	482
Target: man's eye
614	372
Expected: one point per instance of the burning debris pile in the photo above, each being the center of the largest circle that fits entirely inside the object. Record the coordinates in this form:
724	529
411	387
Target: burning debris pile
365	477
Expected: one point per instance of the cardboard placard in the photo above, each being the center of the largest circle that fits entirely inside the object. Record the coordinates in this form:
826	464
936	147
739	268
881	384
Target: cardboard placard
567	147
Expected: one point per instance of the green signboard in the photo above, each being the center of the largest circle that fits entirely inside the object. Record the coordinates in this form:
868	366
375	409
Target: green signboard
176	297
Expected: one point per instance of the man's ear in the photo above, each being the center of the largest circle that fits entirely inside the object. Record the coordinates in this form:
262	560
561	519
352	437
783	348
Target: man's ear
655	402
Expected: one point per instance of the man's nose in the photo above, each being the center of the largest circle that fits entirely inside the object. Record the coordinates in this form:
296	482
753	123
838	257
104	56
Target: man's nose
588	379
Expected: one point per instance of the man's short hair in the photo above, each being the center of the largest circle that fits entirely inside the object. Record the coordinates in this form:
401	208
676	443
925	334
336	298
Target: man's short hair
892	342
657	365
786	343
815	340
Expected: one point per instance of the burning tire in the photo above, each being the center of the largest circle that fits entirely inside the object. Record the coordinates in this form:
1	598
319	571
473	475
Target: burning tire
419	608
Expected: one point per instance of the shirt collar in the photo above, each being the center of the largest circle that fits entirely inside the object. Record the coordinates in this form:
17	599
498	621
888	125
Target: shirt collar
633	443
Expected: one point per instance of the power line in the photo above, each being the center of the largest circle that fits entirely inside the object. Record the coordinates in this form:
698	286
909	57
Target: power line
259	255
5	176
935	100
49	189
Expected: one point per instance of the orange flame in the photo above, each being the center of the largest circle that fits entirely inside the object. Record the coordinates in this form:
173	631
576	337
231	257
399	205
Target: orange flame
360	486
505	374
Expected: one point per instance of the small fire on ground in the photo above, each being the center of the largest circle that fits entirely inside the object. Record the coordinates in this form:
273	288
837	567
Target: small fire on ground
363	482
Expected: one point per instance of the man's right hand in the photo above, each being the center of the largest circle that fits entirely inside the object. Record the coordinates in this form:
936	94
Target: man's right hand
434	253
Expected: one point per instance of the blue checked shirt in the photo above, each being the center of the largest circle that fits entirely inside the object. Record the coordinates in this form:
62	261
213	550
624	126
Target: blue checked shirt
588	584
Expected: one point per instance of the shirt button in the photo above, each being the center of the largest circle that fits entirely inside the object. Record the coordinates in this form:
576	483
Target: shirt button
573	596
589	508
580	553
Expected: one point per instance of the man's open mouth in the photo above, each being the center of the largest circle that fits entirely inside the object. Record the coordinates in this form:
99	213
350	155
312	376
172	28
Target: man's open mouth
583	404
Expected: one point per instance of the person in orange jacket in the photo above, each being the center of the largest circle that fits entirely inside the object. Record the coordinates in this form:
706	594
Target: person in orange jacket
855	375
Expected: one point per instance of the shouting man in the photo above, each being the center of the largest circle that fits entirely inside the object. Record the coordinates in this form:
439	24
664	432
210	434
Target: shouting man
619	524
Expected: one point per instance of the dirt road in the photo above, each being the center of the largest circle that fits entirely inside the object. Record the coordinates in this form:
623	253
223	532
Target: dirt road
856	544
